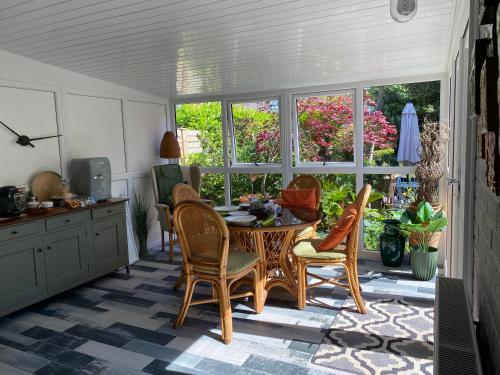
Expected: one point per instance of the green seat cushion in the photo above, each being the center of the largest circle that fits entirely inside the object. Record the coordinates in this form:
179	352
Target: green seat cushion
167	176
237	261
304	232
309	249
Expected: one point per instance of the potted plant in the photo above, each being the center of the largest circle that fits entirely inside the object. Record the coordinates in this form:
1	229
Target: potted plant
143	220
392	244
429	171
423	244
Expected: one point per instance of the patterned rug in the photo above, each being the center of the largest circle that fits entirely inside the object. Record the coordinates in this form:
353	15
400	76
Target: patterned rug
395	336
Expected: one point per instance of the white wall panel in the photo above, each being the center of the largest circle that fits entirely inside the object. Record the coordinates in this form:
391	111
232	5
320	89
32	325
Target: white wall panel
96	129
145	124
31	113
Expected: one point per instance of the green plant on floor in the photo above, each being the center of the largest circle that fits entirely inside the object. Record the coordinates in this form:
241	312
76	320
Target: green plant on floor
143	220
422	224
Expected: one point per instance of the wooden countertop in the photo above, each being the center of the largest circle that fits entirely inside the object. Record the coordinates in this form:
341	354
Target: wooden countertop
56	211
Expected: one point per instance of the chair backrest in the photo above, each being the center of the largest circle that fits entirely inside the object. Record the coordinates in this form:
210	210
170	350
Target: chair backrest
203	236
307	182
352	238
184	192
165	177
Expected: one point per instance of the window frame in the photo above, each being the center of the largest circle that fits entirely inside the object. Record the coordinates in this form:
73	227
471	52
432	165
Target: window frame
295	129
233	162
287	108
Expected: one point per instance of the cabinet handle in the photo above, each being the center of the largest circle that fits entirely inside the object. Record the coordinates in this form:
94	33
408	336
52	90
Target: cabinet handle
67	220
40	250
97	234
49	248
110	211
14	232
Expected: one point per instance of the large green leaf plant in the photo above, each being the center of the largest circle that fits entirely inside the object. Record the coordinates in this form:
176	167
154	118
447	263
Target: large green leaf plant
423	223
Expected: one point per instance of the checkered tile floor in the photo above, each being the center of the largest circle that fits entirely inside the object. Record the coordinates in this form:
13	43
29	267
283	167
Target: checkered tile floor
122	324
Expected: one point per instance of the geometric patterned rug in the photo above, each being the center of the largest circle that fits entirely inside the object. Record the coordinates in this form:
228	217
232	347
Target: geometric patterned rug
394	337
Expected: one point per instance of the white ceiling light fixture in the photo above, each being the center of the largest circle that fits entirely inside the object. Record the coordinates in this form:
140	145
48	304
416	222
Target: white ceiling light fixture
403	10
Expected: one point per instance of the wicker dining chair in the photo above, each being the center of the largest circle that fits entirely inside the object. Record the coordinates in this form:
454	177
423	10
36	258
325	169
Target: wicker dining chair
184	192
306	254
204	240
307	182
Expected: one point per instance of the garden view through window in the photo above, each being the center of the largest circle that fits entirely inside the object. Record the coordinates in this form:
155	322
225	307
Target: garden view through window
325	142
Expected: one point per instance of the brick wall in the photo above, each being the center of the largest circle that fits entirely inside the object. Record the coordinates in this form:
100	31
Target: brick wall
486	294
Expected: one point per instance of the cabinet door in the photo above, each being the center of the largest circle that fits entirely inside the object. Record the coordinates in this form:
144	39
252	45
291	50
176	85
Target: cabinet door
22	272
110	244
66	257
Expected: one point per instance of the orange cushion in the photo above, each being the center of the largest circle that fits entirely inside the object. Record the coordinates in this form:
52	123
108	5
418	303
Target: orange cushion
340	229
298	198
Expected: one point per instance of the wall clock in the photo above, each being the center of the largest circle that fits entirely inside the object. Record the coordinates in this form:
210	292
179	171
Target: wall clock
24	140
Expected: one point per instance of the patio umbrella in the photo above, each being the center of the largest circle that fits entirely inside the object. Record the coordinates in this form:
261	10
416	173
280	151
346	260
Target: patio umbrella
409	137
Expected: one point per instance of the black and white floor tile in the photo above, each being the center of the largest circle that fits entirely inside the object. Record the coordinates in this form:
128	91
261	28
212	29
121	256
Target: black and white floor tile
121	324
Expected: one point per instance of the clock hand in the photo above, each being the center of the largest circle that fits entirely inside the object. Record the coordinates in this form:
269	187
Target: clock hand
51	136
10	129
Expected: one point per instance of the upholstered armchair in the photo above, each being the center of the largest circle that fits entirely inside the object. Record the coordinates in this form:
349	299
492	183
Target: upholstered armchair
165	177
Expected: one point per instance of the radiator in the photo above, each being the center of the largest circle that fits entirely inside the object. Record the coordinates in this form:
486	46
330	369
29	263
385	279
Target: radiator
455	346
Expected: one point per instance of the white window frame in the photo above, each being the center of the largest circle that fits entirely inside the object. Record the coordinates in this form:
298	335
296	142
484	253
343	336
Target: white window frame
231	133
286	109
295	127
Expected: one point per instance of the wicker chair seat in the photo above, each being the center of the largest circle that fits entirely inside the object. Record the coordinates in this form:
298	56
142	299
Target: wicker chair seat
237	261
309	249
304	232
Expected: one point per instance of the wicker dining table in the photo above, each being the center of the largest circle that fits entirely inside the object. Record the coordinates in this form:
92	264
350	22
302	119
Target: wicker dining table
274	243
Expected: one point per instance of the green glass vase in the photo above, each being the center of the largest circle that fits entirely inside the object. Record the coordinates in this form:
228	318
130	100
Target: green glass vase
392	244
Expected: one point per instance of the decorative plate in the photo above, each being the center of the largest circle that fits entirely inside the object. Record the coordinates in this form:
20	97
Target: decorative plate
44	184
241	220
239	213
226	208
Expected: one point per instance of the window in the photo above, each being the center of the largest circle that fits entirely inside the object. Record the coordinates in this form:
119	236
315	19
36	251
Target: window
390	197
255	183
212	187
199	132
382	115
255	132
324	128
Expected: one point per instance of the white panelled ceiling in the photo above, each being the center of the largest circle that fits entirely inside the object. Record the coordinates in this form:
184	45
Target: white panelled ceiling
178	47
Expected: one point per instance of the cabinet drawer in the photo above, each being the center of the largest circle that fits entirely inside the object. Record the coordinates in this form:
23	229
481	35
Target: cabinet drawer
66	220
99	213
19	231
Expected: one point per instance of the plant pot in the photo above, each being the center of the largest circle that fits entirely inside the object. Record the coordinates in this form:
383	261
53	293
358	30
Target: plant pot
412	207
392	244
424	264
431	238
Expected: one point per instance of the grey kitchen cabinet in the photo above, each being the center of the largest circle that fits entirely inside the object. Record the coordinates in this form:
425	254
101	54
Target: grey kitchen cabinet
66	257
22	272
42	255
110	246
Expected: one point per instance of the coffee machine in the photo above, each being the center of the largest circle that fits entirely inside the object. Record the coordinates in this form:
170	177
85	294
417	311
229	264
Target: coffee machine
8	206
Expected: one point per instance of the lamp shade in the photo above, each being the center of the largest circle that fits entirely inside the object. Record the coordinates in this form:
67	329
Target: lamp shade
169	147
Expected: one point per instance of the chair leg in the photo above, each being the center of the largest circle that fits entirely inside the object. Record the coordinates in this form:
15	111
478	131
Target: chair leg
225	311
188	294
301	283
180	281
257	297
171	245
162	240
354	288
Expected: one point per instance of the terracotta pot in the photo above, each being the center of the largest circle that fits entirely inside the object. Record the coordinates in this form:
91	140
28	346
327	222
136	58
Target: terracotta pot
432	238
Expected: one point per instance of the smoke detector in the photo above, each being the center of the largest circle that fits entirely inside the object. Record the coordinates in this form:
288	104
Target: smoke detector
403	10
